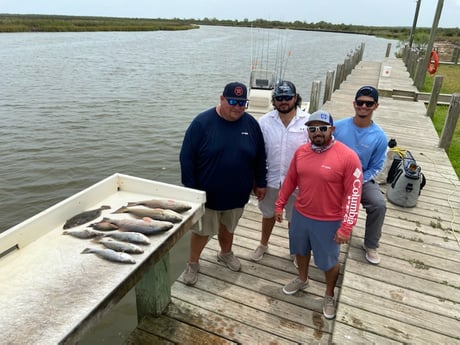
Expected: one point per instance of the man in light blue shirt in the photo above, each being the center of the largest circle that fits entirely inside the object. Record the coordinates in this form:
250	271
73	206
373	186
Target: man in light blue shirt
369	141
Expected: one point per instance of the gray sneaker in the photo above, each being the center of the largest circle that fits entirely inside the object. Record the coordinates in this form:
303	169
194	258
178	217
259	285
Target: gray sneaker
191	273
295	285
230	260
371	255
258	253
329	307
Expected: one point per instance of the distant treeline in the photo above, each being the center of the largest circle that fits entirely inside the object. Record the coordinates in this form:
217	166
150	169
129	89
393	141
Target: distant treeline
49	23
53	23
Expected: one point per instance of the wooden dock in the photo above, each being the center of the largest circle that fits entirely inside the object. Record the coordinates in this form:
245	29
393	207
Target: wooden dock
413	296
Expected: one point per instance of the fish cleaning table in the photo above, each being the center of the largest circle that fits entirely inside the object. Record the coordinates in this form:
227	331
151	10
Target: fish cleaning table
51	293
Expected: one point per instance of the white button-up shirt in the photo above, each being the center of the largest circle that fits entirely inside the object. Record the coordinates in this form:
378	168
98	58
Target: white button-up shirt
281	142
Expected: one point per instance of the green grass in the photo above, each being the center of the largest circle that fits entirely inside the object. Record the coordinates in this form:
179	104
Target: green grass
450	84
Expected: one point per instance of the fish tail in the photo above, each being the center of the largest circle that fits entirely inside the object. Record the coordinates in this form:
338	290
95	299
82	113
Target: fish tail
86	251
122	209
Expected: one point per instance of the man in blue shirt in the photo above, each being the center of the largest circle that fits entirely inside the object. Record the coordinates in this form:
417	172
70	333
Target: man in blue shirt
223	154
369	141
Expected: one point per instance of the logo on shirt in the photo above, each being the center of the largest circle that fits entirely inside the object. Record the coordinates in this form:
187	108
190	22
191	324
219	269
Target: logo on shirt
357	173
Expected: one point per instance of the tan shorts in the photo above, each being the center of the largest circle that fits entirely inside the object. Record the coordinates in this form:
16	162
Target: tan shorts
208	225
267	204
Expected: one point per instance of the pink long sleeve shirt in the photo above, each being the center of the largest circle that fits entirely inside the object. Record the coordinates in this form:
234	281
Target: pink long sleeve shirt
329	185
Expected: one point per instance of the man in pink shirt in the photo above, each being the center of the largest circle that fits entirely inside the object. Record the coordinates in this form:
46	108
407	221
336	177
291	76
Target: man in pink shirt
329	178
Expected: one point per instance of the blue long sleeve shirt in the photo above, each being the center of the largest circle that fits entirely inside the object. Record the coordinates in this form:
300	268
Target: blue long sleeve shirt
226	159
369	143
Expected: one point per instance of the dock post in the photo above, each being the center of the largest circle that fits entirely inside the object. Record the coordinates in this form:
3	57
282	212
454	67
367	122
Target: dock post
435	90
153	291
455	55
315	96
450	123
387	54
338	76
328	86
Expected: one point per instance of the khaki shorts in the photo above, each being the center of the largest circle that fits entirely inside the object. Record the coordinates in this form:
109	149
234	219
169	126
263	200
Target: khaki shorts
267	204
208	225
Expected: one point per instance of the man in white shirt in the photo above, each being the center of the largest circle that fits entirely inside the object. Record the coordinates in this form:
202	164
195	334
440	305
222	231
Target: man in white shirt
284	131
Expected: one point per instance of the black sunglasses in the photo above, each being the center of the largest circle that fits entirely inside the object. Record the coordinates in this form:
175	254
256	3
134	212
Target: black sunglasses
283	98
368	104
313	129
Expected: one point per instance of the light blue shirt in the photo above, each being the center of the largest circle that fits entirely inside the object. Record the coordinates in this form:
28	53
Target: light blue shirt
370	143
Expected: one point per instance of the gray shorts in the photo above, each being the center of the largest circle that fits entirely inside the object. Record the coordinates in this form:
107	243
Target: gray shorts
209	224
267	204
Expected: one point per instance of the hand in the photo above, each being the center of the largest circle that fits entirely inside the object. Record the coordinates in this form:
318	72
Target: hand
341	239
279	217
260	193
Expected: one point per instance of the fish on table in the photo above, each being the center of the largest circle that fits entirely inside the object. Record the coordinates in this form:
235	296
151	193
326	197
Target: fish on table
83	233
128	236
167	204
103	226
84	217
146	226
110	255
119	246
154	213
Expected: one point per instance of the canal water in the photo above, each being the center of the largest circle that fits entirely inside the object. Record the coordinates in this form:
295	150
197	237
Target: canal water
78	107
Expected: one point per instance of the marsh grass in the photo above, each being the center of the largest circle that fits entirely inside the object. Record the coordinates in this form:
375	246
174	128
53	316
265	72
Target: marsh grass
450	85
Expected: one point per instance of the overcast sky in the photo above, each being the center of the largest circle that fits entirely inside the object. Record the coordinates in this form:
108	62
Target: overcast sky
357	12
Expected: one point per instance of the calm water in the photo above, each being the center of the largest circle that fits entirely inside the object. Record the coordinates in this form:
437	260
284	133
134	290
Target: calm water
78	107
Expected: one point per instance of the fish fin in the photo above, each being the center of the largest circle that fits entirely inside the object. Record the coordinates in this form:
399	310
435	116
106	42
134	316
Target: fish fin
147	219
105	207
86	251
132	203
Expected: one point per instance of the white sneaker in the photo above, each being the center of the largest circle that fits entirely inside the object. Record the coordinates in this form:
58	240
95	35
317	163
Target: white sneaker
258	253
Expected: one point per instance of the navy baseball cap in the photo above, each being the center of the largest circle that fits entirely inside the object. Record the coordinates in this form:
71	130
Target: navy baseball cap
368	91
236	91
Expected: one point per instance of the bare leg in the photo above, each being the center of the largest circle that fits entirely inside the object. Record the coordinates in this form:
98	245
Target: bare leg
197	244
267	228
331	279
225	239
304	264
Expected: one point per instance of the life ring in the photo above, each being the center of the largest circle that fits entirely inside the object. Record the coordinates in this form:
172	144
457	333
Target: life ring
433	63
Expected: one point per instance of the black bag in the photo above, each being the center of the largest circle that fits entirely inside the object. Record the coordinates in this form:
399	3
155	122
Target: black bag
405	181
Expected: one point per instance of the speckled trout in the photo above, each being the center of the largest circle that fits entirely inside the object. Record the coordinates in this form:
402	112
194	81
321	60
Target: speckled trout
110	255
83	233
127	236
154	213
146	226
166	204
119	246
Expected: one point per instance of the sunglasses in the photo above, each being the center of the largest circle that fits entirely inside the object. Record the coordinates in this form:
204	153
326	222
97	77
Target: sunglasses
368	104
234	102
313	129
283	98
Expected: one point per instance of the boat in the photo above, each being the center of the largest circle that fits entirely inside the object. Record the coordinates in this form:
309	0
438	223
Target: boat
267	69
51	293
262	83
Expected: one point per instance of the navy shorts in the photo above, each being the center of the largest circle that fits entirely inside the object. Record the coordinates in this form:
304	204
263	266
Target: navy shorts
306	235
